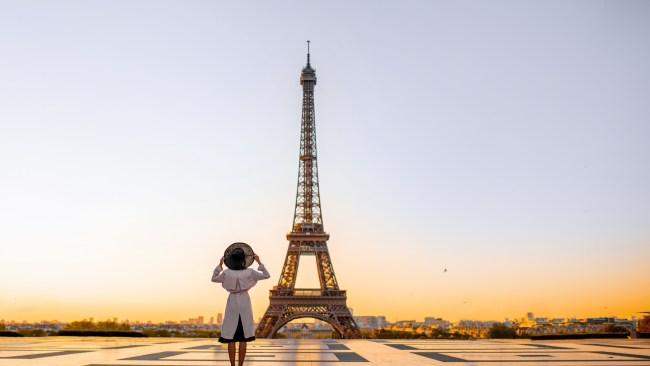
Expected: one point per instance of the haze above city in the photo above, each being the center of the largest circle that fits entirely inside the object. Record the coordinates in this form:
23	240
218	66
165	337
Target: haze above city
476	160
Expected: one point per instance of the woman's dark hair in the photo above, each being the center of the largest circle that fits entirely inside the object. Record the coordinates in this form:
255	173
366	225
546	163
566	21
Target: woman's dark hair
238	259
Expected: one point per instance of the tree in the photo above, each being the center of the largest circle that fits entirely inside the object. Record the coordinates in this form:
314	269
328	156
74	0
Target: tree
86	324
500	330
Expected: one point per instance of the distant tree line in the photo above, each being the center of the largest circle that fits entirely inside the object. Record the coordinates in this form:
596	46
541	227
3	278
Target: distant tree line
89	324
402	334
498	330
198	333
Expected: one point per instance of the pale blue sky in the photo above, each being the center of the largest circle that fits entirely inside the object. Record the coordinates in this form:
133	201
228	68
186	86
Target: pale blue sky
494	138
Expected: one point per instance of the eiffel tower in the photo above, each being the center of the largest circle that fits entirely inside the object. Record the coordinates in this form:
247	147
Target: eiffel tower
308	238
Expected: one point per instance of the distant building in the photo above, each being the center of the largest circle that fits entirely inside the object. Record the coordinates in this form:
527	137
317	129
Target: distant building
643	324
474	328
437	323
561	326
404	324
381	320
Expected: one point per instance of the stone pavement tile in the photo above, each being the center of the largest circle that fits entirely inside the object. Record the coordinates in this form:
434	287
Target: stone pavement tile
80	351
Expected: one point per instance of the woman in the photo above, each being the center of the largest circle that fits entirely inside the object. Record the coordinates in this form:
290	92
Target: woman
238	319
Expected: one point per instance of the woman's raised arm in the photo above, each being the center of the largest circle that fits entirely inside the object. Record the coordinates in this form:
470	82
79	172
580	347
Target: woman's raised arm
261	272
218	274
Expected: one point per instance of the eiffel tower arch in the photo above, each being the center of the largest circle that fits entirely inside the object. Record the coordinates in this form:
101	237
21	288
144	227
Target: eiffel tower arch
308	238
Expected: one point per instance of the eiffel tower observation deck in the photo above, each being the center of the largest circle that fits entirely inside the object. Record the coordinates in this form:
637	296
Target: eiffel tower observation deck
308	238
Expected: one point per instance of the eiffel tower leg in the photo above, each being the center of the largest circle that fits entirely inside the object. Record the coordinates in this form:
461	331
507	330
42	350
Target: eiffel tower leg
326	271
269	320
289	271
350	328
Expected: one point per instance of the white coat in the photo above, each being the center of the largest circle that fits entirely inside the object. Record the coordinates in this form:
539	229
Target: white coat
239	302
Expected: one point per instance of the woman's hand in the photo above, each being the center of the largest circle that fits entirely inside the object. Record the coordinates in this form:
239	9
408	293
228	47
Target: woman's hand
221	262
257	258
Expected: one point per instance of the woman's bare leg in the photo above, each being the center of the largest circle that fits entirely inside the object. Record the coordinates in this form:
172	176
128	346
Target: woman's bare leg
242	353
231	353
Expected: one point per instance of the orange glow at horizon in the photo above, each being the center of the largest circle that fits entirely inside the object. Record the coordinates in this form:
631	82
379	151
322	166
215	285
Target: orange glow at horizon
175	285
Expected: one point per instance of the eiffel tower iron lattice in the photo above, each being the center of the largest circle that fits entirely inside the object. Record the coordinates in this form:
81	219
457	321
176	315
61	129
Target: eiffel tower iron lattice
307	238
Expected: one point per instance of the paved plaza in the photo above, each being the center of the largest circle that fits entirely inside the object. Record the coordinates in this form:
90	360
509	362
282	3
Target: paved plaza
73	351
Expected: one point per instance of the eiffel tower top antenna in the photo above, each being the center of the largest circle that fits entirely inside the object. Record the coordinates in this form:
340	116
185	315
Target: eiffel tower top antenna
307	214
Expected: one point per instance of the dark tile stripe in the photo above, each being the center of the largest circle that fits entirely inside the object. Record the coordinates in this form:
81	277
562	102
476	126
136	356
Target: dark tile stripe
154	356
129	346
613	346
440	357
349	357
205	346
400	346
534	355
545	346
43	355
337	346
483	350
643	357
445	358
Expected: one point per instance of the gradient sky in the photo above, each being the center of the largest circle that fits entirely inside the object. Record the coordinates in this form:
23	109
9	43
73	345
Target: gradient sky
504	141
